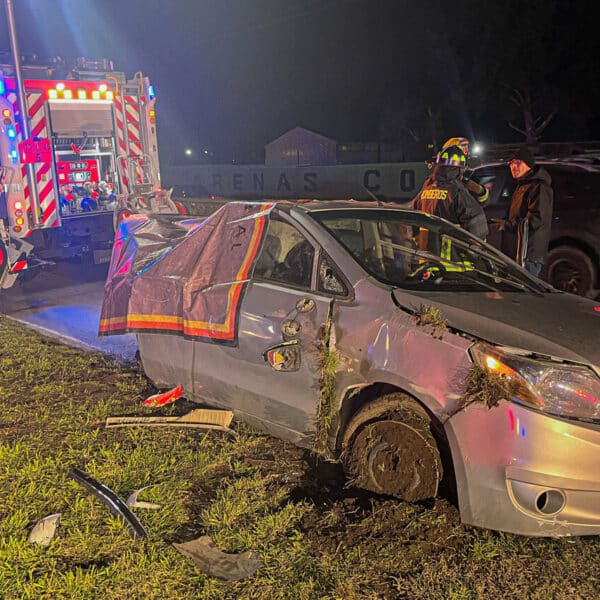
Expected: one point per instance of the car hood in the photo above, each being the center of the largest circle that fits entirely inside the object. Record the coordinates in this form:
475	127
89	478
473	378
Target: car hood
556	324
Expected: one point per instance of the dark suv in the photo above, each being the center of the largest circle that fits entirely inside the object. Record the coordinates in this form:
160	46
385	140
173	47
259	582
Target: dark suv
573	262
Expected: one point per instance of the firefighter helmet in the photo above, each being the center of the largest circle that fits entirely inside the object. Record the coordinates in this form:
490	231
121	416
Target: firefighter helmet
463	143
452	156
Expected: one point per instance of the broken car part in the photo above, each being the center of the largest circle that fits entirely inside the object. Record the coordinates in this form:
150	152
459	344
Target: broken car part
284	357
213	562
44	531
133	502
164	398
116	506
199	418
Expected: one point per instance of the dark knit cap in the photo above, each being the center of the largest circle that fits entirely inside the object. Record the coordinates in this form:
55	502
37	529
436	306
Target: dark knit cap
524	154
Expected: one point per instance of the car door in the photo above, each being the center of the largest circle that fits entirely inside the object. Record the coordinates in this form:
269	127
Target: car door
501	185
272	376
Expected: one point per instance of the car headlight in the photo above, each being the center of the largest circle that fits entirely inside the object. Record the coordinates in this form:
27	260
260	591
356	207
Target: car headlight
563	389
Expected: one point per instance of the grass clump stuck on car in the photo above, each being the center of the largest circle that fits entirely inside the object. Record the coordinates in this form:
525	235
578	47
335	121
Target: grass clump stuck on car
432	318
315	538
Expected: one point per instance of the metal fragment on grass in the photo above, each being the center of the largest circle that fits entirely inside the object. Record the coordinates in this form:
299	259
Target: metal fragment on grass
213	562
44	531
133	502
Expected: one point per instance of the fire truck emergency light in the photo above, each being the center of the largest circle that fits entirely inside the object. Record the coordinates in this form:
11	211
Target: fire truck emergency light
11	132
2	87
18	205
6	113
62	93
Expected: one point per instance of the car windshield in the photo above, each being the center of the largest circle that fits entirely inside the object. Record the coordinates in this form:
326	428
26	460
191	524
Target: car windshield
412	250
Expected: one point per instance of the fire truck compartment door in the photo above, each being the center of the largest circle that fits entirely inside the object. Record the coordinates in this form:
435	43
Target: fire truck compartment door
79	119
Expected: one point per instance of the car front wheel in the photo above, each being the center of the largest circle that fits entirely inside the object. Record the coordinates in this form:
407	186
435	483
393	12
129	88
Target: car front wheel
571	270
388	448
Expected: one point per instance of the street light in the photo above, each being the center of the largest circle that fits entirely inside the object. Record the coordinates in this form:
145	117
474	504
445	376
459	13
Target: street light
188	152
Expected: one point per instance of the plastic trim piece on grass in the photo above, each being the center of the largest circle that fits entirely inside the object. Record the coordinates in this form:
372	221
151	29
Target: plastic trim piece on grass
44	531
199	418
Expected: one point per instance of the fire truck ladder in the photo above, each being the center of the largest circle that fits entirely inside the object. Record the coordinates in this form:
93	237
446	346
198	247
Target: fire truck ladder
144	196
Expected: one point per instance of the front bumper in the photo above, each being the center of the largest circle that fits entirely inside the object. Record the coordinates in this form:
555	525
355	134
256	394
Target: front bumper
526	472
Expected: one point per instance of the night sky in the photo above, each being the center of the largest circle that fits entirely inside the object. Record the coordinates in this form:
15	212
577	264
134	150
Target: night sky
231	75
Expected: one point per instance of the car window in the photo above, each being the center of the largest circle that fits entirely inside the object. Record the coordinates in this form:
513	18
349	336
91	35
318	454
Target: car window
497	180
575	185
329	279
286	256
415	251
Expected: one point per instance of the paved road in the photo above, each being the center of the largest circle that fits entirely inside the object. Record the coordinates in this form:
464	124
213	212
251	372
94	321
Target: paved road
64	302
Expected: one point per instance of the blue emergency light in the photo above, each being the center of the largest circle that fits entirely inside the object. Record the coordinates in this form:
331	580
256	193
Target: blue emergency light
151	93
2	87
11	132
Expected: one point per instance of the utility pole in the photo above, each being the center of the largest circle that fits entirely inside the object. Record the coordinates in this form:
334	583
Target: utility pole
23	110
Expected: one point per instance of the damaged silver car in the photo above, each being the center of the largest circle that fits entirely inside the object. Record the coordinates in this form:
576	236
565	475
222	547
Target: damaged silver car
384	338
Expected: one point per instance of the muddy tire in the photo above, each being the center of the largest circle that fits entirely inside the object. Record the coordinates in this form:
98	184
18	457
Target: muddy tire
571	270
388	448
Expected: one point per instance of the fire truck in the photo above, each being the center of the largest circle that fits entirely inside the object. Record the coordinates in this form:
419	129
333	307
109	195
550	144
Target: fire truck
91	157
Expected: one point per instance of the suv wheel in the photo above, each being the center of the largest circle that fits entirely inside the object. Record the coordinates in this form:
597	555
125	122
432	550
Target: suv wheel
571	270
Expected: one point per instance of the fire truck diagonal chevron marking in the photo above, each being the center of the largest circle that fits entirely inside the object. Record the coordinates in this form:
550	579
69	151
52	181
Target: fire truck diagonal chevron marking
133	134
39	128
133	119
20	265
45	191
37	105
49	212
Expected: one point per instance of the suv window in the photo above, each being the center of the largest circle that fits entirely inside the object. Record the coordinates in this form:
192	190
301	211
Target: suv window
575	185
287	256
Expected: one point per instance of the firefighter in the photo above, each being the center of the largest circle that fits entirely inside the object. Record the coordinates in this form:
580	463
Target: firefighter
478	191
444	194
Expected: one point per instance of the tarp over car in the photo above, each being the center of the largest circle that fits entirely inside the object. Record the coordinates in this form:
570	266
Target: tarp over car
183	276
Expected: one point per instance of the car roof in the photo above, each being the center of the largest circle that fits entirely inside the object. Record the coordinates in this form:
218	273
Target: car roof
312	206
591	165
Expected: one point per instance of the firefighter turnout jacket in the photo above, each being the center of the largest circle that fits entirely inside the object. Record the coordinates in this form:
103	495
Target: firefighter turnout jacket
444	195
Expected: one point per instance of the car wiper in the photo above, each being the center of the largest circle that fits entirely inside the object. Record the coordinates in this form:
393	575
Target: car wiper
440	261
523	284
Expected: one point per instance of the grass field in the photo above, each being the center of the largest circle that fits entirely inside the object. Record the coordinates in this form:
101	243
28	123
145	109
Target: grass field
315	538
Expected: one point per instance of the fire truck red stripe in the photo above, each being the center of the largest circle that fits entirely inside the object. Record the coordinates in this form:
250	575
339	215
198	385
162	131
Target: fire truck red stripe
45	191
20	265
49	211
33	109
39	127
133	135
42	171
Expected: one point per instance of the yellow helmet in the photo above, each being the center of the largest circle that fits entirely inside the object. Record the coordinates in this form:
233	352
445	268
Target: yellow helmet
452	156
463	143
